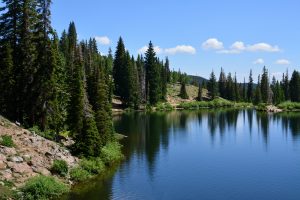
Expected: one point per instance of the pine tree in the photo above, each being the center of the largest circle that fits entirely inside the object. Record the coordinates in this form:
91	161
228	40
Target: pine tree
58	104
278	93
244	91
108	71
295	87
200	95
212	86
10	27
230	91
133	94
119	69
204	84
257	94
76	106
286	86
10	21
236	89
167	68
265	86
164	79
222	84
43	85
103	108
64	44
141	77
183	94
6	81
250	88
26	69
71	45
152	76
88	140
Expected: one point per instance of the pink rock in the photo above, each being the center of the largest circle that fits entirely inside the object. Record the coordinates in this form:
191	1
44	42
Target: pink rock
2	157
2	165
8	151
6	175
21	168
41	170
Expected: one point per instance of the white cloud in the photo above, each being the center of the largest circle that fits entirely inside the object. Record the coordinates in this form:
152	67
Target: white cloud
259	61
103	40
235	48
239	47
143	50
171	51
181	49
229	51
263	47
212	43
283	62
157	49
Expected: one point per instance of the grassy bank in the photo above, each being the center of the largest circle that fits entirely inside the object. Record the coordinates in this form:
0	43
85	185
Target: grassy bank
216	103
50	187
289	106
110	154
284	106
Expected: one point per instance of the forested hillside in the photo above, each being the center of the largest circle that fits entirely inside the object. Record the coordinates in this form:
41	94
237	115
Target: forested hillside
58	83
61	84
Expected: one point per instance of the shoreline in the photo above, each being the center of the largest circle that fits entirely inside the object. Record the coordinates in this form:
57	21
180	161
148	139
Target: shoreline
29	160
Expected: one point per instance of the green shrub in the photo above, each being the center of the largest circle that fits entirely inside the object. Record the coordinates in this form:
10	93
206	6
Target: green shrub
111	153
289	106
6	140
42	188
164	107
261	107
216	103
92	166
60	167
7	193
87	168
64	134
46	134
78	174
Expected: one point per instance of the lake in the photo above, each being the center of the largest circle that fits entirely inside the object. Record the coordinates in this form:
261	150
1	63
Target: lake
208	154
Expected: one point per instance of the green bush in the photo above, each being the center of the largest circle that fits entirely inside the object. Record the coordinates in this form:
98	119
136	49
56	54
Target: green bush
216	103
60	167
289	106
92	166
87	168
261	107
78	174
64	134
46	134
6	140
164	107
42	188
111	153
7	193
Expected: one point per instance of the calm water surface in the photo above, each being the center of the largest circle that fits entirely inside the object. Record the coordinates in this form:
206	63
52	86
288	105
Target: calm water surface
216	154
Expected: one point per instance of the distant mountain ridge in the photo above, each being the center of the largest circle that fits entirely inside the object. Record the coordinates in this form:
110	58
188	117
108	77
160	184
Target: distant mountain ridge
198	79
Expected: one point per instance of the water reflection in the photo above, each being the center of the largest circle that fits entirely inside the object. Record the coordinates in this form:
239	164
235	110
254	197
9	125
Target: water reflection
154	138
148	131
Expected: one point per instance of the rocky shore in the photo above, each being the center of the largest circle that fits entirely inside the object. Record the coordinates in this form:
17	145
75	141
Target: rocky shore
30	156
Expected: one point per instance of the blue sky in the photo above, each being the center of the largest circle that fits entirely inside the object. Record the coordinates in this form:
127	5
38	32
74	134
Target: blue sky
198	36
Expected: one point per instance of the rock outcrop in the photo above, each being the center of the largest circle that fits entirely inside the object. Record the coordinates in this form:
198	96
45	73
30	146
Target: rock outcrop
30	156
273	109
